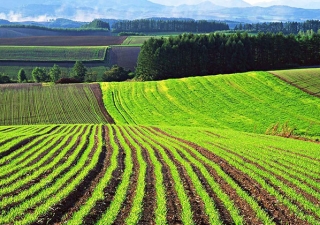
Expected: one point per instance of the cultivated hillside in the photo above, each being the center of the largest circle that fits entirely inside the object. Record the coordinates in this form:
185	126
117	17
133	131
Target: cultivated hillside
251	102
24	104
307	80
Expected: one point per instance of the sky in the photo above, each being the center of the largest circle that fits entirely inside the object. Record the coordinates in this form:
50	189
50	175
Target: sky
293	3
190	2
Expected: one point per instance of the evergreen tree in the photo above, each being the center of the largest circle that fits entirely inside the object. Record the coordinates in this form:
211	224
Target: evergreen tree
79	71
55	73
22	77
40	75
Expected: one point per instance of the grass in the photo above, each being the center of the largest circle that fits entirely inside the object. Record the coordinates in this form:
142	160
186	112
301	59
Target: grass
306	79
52	53
250	102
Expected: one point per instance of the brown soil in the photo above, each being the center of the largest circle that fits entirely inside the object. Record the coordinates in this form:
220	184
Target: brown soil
64	41
297	86
131	192
83	191
149	203
97	174
173	204
109	192
45	174
197	205
98	93
295	153
279	212
286	182
24	142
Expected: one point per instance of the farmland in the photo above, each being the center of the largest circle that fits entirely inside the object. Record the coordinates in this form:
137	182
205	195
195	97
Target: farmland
23	104
107	174
63	41
307	80
124	56
179	151
250	102
49	53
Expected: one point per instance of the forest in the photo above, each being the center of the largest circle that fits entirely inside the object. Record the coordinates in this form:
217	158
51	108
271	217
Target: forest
285	28
193	55
155	25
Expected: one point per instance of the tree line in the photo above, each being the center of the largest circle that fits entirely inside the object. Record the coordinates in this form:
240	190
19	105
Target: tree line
79	74
276	27
192	55
154	25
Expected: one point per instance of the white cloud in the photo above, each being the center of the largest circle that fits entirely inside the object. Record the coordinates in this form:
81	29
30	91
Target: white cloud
17	17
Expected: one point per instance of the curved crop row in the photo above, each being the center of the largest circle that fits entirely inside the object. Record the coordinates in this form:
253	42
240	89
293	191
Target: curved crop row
94	174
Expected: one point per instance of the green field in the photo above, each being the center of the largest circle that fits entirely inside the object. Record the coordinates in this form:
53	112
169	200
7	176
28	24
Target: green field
183	151
57	104
250	102
306	79
136	40
52	53
94	174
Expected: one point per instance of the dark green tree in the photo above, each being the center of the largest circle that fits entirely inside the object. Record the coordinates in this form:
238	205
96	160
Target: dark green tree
4	79
55	73
79	71
40	75
116	73
22	77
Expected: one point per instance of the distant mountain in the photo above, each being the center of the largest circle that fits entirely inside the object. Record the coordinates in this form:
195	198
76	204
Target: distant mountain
306	4
230	3
235	10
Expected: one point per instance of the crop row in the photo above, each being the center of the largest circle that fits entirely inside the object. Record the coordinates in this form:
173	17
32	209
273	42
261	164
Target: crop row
52	53
64	104
95	174
250	102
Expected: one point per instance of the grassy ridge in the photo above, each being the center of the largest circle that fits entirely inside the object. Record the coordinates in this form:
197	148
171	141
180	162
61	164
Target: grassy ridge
306	79
52	53
64	104
250	102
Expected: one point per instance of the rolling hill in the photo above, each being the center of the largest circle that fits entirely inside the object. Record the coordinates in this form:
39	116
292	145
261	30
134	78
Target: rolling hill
178	153
251	102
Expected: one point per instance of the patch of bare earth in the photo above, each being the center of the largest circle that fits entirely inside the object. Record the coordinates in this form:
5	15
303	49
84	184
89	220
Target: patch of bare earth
98	94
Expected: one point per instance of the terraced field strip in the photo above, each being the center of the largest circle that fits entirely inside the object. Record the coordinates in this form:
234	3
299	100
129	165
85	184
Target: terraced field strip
307	80
46	40
251	102
52	53
136	40
56	104
107	174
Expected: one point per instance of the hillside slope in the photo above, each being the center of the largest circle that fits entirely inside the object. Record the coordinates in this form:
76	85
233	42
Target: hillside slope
251	102
23	104
307	80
